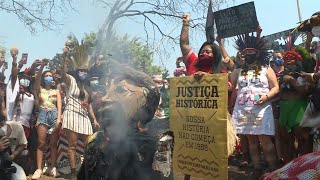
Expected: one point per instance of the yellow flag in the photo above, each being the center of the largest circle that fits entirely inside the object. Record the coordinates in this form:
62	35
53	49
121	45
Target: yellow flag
198	119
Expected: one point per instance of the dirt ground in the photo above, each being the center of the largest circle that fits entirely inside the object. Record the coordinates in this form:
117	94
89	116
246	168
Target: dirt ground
235	173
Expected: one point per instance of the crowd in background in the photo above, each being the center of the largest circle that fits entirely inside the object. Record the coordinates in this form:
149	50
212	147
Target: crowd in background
273	94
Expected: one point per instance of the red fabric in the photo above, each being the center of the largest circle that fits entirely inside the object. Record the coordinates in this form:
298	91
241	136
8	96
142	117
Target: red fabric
292	55
317	66
303	167
26	131
190	61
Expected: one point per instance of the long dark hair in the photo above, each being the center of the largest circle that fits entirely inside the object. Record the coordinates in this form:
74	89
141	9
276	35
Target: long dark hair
82	85
216	67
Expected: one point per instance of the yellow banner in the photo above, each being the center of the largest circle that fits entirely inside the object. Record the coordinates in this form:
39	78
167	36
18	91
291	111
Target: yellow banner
198	119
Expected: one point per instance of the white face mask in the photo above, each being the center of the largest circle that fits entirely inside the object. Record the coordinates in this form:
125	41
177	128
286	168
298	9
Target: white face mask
94	83
82	75
3	130
316	31
24	82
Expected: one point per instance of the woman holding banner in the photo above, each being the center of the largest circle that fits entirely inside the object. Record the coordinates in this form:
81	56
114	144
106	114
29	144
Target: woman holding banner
252	113
208	61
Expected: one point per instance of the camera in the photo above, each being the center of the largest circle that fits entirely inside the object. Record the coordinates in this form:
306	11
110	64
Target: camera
6	168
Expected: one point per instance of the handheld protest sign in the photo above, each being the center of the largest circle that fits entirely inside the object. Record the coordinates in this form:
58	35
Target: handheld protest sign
236	20
198	119
25	57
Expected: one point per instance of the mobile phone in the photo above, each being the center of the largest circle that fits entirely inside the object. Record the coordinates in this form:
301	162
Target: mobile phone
25	56
13	141
256	97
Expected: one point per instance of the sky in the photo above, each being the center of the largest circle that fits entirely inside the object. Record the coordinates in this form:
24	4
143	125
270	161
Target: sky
273	15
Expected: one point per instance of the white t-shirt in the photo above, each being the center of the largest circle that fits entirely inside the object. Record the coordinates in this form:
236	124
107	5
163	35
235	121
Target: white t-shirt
17	136
11	94
26	107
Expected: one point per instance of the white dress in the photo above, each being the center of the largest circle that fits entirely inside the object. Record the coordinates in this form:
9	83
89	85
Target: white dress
75	116
249	117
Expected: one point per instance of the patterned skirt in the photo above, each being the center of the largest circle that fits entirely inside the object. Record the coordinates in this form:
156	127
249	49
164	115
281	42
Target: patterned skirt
76	122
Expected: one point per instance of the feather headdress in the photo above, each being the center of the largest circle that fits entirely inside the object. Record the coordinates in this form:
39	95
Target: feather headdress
289	48
246	43
79	53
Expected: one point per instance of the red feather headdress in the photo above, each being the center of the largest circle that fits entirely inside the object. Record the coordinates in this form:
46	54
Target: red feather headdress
290	52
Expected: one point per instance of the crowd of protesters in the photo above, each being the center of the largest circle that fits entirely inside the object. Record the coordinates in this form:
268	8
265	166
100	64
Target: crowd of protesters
269	93
268	100
34	102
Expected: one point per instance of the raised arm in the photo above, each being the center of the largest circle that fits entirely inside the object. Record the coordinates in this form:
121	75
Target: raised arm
37	83
226	58
91	113
184	36
64	75
59	107
14	70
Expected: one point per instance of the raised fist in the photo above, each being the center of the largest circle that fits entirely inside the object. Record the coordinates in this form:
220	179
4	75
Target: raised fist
45	61
185	19
14	52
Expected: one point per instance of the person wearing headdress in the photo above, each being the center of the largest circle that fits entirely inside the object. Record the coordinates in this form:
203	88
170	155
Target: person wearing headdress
257	85
293	94
76	122
20	97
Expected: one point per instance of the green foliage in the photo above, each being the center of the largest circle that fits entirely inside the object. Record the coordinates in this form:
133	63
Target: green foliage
89	38
307	63
131	51
124	50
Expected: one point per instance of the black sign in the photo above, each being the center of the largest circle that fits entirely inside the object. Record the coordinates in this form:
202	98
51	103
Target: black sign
236	20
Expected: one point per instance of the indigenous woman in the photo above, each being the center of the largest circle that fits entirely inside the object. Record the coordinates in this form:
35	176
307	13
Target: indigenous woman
49	117
76	122
294	91
208	61
252	112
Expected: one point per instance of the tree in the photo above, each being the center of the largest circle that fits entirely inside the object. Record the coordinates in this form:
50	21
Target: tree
124	50
155	16
37	13
132	52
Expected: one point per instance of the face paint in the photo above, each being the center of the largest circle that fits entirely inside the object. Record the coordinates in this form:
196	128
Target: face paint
24	82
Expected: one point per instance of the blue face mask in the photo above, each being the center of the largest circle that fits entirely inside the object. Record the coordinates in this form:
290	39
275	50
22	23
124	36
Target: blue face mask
278	61
48	80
